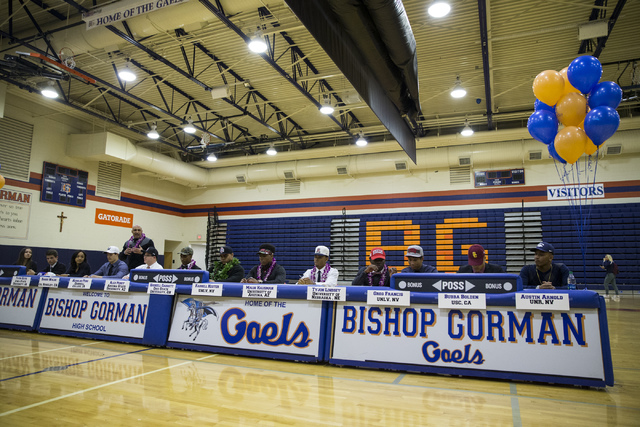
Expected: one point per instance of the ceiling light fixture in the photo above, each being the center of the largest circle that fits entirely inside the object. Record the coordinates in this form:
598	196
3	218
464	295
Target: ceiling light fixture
257	44
325	106
361	141
272	151
126	74
212	157
439	9
48	90
189	127
153	133
466	131
458	91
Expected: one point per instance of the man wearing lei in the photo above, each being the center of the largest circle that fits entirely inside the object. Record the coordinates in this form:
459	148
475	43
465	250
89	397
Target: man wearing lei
376	273
268	271
133	250
186	259
321	273
228	269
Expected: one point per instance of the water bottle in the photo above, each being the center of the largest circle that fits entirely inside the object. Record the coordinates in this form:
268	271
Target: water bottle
571	281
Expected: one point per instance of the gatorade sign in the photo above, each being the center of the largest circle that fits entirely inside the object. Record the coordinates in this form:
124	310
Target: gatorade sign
118	219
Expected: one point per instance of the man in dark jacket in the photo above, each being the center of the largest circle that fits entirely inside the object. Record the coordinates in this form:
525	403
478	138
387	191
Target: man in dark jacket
415	256
478	262
228	269
133	249
268	271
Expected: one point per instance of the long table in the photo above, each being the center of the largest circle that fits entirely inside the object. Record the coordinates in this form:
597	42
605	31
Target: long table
535	335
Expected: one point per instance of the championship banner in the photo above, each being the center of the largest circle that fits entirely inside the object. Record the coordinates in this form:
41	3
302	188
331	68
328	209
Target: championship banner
567	344
96	312
18	306
122	10
291	326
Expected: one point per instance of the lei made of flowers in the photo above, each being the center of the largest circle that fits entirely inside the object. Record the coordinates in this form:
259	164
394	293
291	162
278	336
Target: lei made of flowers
219	274
382	278
137	242
273	264
189	266
325	273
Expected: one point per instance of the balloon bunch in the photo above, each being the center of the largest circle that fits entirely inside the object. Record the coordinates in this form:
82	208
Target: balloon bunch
574	98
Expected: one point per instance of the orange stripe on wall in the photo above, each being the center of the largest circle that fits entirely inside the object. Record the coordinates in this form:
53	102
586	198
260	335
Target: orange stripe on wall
445	231
462	225
456	220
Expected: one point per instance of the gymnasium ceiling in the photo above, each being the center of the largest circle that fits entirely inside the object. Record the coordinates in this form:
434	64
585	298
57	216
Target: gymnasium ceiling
184	53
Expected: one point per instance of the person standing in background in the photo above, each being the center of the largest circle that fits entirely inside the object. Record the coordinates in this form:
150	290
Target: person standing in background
133	249
610	278
26	258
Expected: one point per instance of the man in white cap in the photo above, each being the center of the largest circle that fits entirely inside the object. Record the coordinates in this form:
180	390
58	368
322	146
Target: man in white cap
415	256
322	273
114	268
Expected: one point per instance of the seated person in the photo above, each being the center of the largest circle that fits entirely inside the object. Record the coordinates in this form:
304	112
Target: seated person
228	269
150	261
376	273
78	267
53	266
477	262
415	256
186	259
268	271
321	273
544	274
26	258
114	268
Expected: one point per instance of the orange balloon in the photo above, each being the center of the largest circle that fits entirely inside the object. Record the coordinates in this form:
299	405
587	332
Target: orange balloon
590	147
548	87
570	143
571	109
1	181
567	86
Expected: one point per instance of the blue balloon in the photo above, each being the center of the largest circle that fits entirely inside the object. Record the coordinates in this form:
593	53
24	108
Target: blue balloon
539	105
601	123
555	155
584	72
543	126
605	94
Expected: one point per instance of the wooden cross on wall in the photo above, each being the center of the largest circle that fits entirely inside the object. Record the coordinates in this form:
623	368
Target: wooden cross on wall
62	218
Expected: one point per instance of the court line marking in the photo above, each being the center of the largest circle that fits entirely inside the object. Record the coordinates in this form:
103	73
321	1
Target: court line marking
515	405
53	349
398	379
75	393
75	364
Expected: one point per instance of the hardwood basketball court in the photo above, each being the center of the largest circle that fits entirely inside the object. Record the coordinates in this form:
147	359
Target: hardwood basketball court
53	380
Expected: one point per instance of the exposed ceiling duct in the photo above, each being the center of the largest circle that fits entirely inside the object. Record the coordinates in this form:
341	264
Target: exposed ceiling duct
372	43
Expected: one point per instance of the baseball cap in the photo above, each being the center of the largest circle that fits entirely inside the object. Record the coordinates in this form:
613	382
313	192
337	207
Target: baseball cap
544	247
476	255
322	250
414	251
112	250
186	251
151	251
377	253
225	250
267	249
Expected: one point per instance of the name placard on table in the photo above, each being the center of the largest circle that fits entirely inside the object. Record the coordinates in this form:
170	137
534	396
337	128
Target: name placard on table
22	281
259	291
48	282
211	289
161	288
114	285
388	297
79	283
470	301
542	301
322	293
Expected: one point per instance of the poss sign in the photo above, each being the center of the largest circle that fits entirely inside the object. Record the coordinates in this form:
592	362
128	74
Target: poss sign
471	283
